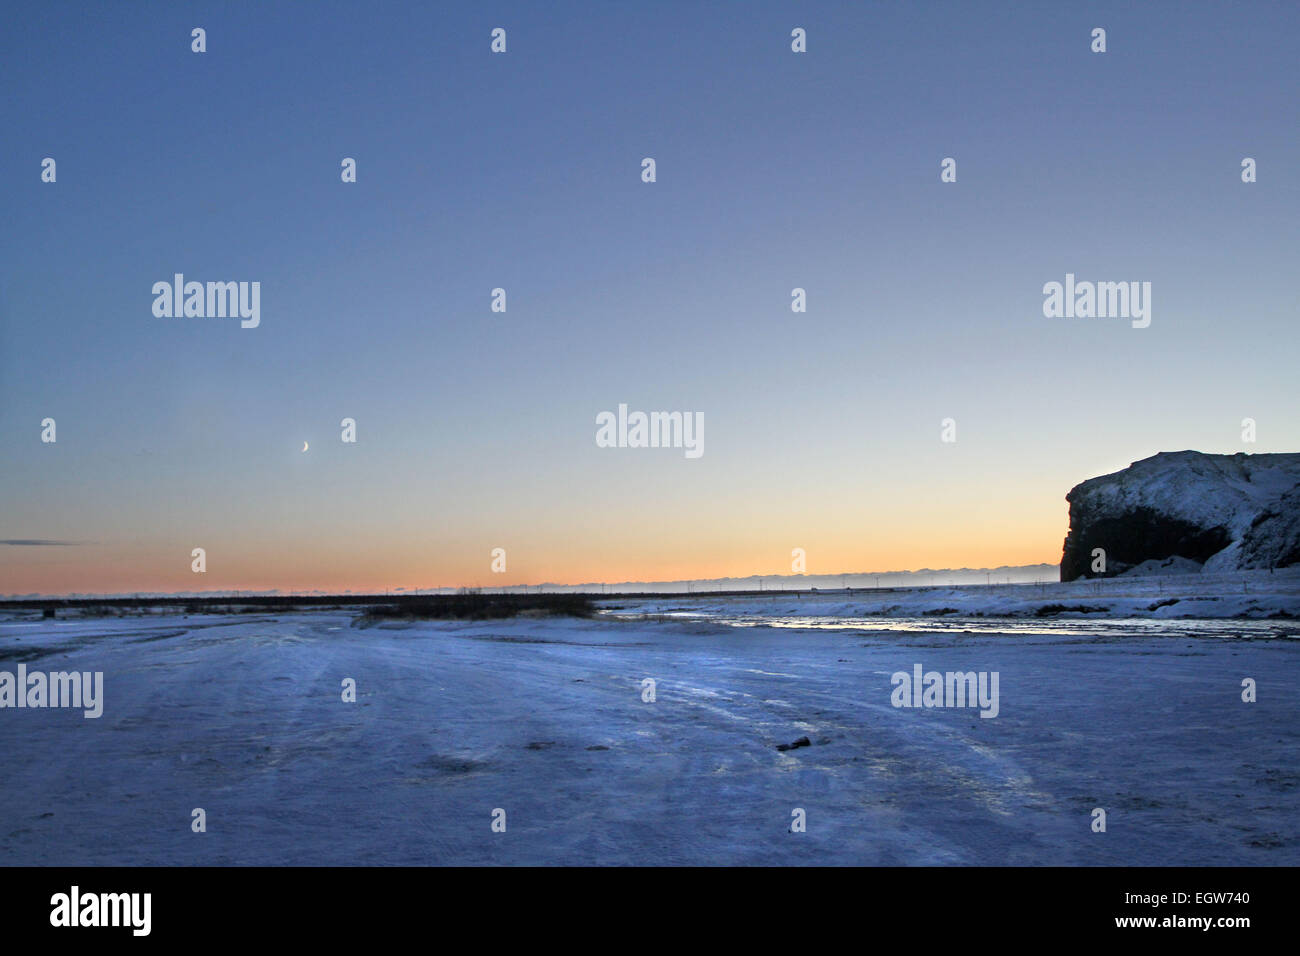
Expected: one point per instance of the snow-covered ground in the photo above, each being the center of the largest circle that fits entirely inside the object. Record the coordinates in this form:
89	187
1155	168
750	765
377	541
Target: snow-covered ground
242	716
1240	595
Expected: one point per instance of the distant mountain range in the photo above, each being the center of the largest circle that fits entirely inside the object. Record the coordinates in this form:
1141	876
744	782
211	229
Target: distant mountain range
925	577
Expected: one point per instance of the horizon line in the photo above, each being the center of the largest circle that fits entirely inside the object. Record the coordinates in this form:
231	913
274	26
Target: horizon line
404	590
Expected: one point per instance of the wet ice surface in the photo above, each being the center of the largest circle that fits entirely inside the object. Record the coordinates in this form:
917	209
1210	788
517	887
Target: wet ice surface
1069	625
1195	598
241	715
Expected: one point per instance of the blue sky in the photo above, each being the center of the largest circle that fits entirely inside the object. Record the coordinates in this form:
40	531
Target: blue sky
475	171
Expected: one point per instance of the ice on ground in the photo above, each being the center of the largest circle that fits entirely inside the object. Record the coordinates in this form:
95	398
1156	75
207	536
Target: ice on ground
546	720
1240	595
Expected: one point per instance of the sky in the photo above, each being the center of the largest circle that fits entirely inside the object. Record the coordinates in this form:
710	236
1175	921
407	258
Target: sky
775	170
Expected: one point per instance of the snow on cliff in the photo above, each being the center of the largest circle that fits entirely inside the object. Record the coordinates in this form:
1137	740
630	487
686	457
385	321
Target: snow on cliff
1223	512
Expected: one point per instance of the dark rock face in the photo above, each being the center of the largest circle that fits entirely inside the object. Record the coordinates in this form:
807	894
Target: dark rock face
1131	537
1273	540
1224	512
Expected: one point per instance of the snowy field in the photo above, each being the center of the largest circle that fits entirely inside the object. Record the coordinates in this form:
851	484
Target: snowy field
242	716
1243	595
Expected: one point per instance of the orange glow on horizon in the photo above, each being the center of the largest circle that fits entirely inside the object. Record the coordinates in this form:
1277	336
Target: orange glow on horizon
146	571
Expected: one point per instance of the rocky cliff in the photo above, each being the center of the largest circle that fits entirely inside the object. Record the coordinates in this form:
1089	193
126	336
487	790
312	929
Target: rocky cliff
1184	511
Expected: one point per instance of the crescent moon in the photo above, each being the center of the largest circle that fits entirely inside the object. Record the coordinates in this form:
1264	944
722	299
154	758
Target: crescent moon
304	446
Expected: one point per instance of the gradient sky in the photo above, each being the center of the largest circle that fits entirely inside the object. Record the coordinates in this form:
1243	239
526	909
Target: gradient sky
775	170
